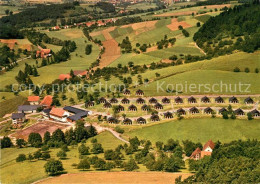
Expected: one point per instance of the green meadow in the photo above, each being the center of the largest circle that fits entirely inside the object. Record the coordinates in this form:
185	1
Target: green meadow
199	130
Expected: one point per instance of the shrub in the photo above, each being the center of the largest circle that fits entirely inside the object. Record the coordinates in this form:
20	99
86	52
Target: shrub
118	129
236	69
21	158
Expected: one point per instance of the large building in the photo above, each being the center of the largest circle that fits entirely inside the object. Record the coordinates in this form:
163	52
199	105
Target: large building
206	151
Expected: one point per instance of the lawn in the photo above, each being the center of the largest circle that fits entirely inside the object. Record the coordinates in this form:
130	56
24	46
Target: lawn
200	130
13	172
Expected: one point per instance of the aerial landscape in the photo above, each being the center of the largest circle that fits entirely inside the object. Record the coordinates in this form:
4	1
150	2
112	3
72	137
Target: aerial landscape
129	91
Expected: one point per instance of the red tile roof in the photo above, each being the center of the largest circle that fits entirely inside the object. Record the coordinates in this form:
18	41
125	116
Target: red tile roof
59	112
209	144
197	151
47	101
80	72
205	153
64	76
33	98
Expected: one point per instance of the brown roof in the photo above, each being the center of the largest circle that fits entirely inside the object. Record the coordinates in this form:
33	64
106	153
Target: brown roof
47	100
33	98
57	112
197	151
210	144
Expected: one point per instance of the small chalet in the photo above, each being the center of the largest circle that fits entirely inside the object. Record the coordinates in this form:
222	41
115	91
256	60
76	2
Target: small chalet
158	106
62	77
89	104
28	108
127	121
102	100
249	100
152	101
233	100
222	110
208	110
18	119
112	120
219	100
155	117
59	114
192	100
107	105
141	120
181	111
140	101
132	108
205	99
47	101
178	100
56	28
139	92
194	110
145	107
125	101
166	100
239	112
196	154
168	115
113	101
34	100
43	53
120	108
206	151
255	113
127	92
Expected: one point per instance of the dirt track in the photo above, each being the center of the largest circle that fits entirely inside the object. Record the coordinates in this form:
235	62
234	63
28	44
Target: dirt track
117	178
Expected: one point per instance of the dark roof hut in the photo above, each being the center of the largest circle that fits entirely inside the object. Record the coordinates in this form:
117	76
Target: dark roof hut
181	111
152	101
139	92
132	108
249	100
205	99
233	100
158	106
107	105
178	100
141	120
89	104
145	107
208	110
166	100
155	117
239	112
255	113
127	121
219	100
125	101
140	101
113	100
192	100
168	115
194	110
222	110
112	120
127	92
102	100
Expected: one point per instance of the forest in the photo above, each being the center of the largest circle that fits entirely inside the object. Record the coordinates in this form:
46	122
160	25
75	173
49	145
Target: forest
233	29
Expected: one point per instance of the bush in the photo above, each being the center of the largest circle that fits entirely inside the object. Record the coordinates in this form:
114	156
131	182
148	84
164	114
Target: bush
61	154
21	158
247	70
236	69
83	164
83	150
118	129
53	167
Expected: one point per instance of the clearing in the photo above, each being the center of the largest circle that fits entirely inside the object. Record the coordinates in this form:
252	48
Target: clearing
175	24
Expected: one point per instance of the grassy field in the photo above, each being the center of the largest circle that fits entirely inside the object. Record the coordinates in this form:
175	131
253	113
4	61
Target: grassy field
141	6
200	130
9	166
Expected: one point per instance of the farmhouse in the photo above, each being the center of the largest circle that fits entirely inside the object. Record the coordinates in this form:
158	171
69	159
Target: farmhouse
78	116
112	120
89	104
158	106
139	92
205	99
208	110
155	117
239	112
102	100
59	114
127	121
192	100
141	120
33	100
206	151
152	101
72	110
145	107
166	100
107	105
194	110
28	108
222	110
80	73
18	119
219	100
127	92
168	115
249	100
181	111
233	100
140	101
56	28
113	101
43	53
125	101
178	100
47	101
255	113
132	108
